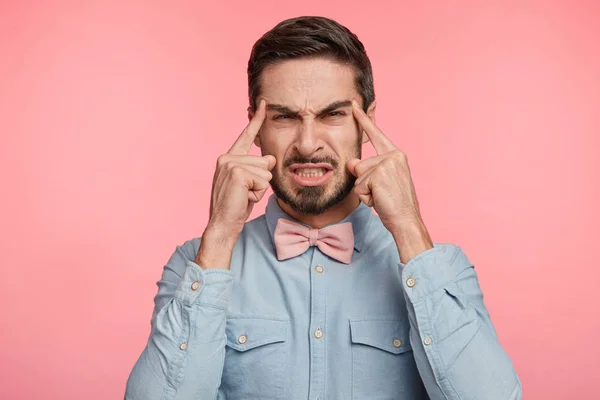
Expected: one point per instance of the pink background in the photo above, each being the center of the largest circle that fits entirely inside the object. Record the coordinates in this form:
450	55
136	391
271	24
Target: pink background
112	114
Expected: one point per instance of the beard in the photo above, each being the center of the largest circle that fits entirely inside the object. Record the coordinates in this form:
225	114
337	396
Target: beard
314	200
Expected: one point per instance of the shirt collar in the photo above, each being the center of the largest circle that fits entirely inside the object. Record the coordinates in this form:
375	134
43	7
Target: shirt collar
360	218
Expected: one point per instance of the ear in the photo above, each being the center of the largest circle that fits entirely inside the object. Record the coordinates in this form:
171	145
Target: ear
370	114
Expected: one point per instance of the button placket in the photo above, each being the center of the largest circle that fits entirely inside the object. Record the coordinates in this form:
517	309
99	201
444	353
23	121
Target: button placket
318	299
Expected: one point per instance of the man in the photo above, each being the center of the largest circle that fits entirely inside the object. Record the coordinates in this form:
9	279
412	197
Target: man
319	298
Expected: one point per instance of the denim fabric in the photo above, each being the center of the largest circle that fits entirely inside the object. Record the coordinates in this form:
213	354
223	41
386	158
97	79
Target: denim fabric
251	332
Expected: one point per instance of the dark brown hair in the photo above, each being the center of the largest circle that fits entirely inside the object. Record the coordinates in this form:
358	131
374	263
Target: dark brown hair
310	37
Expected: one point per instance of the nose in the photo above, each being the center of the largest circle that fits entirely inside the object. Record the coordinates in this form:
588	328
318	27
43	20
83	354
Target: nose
307	141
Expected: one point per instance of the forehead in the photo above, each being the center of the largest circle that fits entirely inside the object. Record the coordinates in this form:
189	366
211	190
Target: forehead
308	83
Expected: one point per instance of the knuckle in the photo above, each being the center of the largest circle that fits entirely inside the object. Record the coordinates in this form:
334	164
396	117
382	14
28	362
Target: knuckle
400	155
232	163
237	172
222	160
388	163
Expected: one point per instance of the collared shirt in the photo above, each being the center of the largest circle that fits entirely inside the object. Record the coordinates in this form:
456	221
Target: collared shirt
310	327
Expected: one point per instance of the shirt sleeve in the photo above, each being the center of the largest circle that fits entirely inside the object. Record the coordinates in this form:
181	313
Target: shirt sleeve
455	345
186	349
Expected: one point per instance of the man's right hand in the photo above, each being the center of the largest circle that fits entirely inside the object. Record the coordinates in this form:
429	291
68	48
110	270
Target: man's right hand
240	181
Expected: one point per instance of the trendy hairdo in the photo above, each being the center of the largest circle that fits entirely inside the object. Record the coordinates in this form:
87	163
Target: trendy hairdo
310	37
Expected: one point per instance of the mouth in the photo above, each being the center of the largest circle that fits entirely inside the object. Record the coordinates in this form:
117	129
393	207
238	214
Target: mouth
311	174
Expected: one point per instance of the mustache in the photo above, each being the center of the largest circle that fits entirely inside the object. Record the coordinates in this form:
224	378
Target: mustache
314	160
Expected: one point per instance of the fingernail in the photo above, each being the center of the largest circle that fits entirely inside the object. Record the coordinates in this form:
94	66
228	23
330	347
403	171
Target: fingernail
355	103
262	103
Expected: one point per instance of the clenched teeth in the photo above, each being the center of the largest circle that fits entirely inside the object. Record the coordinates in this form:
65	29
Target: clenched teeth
310	172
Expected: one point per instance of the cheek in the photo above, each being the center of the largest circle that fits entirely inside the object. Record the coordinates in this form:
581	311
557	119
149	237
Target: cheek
273	139
275	143
343	140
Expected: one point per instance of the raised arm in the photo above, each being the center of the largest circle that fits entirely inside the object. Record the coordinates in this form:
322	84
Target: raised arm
185	352
455	345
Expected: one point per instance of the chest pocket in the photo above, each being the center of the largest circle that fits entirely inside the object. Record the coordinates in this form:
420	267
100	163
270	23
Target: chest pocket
383	366
256	358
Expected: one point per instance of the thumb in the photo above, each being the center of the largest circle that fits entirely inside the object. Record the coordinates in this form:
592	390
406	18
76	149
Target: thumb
351	164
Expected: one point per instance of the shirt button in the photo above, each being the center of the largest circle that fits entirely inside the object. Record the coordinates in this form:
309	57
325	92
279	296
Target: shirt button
427	341
183	346
319	269
242	339
410	282
195	285
397	343
318	334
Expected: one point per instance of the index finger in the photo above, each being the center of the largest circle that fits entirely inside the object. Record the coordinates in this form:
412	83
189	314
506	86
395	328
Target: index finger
243	143
380	142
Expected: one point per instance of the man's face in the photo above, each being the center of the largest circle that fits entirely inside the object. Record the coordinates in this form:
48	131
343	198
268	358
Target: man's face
310	129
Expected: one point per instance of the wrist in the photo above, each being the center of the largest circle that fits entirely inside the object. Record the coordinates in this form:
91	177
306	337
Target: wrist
412	239
221	233
216	249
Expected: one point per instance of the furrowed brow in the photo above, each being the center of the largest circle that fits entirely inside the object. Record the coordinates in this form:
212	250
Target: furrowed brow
281	109
331	107
334	106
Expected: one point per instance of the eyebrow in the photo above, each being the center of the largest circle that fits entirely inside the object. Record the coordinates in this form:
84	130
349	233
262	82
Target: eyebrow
331	107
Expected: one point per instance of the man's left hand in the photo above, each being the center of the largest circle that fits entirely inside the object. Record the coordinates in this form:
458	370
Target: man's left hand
384	183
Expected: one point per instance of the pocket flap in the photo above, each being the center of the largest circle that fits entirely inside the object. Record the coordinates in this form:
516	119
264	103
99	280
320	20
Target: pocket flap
388	335
247	333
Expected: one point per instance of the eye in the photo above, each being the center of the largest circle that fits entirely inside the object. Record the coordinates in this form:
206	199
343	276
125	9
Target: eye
335	114
280	117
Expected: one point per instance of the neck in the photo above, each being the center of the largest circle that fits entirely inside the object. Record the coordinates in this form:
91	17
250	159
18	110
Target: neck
331	216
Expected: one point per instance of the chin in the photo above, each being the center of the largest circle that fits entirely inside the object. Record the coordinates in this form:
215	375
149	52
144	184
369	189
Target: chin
312	200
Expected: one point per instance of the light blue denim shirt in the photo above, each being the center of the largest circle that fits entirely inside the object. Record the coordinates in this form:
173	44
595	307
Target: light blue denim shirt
313	328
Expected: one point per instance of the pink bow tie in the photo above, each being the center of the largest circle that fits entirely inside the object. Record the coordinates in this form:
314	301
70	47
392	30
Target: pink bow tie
292	239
